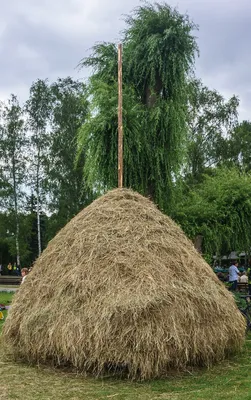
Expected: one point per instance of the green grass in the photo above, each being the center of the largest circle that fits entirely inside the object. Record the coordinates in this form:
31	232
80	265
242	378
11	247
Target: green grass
229	380
4	299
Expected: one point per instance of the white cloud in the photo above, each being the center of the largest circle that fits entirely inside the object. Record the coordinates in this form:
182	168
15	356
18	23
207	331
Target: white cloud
41	39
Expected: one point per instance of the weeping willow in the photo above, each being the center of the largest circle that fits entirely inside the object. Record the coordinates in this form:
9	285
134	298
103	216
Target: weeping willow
158	57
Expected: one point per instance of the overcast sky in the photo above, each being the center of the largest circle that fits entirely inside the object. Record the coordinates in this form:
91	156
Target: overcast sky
47	39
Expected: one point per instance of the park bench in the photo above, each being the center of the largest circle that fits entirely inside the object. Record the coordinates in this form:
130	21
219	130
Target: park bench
242	287
10	280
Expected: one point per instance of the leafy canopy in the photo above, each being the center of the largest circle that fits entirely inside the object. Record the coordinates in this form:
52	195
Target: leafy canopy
219	209
159	51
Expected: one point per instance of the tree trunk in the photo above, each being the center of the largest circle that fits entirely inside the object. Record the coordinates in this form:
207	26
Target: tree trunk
17	243
151	95
38	203
151	190
16	211
198	243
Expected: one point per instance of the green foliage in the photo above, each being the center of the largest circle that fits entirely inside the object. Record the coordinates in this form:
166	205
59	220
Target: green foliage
5	298
68	193
240	301
239	145
8	251
211	117
38	108
12	149
158	57
13	146
104	62
219	208
43	163
101	145
161	49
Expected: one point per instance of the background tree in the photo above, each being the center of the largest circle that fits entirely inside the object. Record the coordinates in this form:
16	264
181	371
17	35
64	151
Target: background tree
159	51
211	119
97	138
12	144
68	193
239	145
219	209
38	108
5	186
31	229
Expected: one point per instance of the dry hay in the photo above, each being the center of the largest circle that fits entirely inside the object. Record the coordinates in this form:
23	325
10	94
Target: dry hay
121	285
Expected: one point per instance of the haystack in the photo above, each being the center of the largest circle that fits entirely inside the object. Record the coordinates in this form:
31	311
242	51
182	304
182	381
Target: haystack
121	287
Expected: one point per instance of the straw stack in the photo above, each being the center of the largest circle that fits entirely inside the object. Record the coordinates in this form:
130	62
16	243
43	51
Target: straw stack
121	288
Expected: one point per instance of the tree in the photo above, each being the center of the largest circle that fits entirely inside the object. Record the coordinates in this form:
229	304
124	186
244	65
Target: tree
239	145
12	144
159	52
219	209
67	191
38	108
97	138
211	119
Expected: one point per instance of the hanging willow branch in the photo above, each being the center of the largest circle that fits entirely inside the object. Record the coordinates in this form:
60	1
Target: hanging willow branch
158	55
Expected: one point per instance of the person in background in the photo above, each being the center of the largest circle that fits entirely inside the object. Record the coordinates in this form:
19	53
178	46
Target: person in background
9	268
24	273
249	277
233	275
221	276
1	269
243	278
15	269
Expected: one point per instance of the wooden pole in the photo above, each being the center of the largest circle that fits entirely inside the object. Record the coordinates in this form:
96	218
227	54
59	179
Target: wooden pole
120	119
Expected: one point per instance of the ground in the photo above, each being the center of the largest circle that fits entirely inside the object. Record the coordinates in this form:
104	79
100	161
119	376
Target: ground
229	380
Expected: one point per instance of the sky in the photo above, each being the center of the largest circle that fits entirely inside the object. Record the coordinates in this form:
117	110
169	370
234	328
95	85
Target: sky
45	39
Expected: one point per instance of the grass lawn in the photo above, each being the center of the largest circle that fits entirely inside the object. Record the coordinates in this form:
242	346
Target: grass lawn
229	380
4	299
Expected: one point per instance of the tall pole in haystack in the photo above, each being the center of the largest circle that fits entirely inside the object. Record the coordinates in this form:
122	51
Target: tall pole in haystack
120	119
